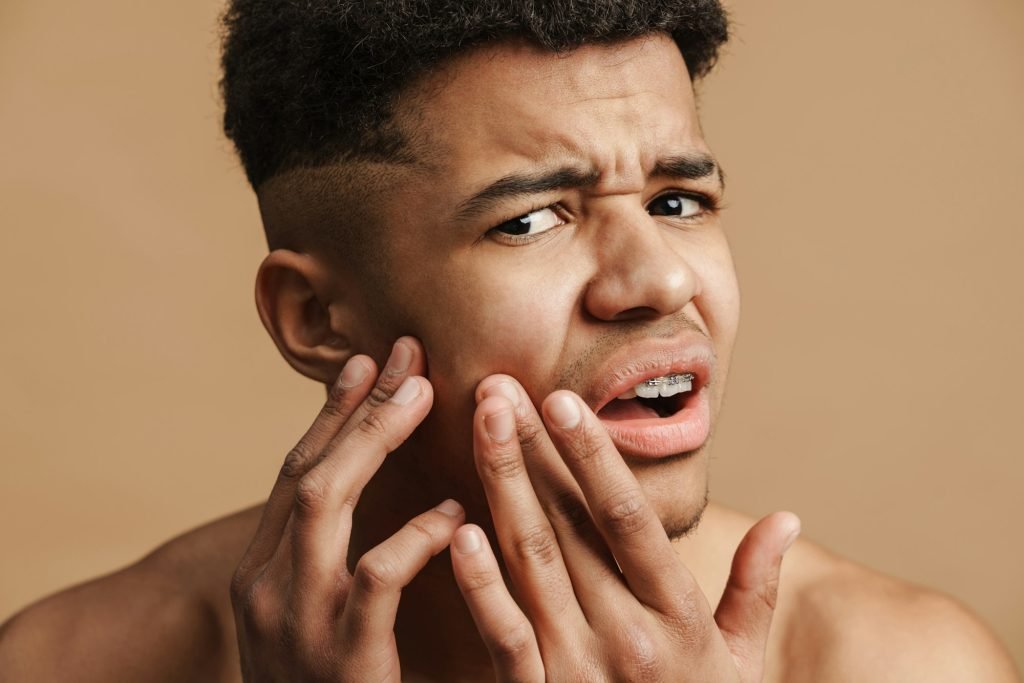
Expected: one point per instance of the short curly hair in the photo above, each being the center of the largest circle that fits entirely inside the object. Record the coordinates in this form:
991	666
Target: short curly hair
312	82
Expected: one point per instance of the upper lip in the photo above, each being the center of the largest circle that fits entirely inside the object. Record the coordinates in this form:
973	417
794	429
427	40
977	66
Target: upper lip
636	363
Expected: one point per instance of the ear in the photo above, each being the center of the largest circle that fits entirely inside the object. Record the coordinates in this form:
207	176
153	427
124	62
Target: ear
307	311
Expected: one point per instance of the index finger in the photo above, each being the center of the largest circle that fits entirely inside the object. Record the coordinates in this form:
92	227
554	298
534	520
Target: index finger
350	399
342	399
619	507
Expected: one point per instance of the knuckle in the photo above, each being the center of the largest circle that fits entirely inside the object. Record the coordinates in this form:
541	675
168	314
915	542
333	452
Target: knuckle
256	606
626	513
375	573
513	644
245	573
583	446
379	395
422	528
639	657
531	437
335	404
373	426
297	461
502	464
688	624
537	546
311	494
475	581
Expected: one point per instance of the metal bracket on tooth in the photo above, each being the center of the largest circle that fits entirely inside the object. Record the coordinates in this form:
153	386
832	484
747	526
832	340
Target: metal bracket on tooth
671	379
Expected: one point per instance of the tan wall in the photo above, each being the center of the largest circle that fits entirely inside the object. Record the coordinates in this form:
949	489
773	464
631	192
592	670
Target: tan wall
874	152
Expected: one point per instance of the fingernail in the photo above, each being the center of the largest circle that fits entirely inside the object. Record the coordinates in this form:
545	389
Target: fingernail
401	358
450	508
506	390
409	390
500	426
467	541
564	412
353	373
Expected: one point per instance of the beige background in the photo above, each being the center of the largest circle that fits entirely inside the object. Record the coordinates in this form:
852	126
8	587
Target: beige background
875	156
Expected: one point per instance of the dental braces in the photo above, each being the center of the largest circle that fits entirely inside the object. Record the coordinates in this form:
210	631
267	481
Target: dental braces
670	379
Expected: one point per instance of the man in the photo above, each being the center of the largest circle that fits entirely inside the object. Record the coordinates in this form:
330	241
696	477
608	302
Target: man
520	195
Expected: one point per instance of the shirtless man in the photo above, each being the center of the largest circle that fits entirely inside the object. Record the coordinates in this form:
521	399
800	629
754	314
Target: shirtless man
540	232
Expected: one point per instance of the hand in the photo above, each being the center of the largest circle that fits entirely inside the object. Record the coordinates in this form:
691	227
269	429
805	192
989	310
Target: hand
602	594
300	615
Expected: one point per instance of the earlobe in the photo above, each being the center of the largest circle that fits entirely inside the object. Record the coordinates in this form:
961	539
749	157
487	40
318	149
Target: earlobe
308	319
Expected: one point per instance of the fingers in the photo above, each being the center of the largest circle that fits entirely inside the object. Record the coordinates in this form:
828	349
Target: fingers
589	563
619	507
504	628
323	486
287	589
744	614
407	360
327	494
347	392
381	574
527	541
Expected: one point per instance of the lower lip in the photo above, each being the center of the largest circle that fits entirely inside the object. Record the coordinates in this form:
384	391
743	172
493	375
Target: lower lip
661	437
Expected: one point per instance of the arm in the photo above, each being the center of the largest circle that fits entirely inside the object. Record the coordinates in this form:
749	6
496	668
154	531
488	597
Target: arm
133	624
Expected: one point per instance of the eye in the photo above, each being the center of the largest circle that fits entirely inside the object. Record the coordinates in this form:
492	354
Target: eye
676	205
528	225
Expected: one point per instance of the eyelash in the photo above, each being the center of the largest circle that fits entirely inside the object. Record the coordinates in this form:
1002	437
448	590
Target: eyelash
523	239
709	205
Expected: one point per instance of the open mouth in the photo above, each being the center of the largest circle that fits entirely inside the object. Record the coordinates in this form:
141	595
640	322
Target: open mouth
658	397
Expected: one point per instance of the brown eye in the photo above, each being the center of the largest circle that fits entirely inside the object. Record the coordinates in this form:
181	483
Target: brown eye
677	205
532	223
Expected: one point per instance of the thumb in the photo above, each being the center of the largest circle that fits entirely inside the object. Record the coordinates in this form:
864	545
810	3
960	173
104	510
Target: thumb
745	612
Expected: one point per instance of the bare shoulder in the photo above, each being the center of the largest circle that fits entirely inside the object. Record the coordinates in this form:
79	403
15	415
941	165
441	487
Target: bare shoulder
836	620
166	617
841	621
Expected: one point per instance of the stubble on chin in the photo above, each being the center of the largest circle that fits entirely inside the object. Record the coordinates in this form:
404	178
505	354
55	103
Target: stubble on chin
686	522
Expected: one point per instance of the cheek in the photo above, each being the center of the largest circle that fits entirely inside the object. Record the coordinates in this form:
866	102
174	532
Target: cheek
515	325
719	298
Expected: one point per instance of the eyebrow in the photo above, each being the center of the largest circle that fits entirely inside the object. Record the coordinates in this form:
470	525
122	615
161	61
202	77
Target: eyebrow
682	166
689	167
522	184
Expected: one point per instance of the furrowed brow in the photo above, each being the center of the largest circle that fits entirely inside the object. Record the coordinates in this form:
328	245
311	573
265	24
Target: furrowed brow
516	185
689	167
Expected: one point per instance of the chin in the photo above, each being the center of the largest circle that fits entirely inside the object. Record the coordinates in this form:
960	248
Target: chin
679	523
677	487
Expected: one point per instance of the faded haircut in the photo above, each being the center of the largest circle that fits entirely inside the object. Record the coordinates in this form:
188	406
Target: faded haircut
311	83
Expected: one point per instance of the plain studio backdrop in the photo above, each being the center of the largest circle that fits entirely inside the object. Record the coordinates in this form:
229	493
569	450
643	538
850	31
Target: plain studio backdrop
876	166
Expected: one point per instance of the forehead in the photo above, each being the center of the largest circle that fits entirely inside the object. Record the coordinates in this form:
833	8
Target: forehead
613	107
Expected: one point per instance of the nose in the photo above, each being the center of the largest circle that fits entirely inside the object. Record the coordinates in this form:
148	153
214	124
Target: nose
640	272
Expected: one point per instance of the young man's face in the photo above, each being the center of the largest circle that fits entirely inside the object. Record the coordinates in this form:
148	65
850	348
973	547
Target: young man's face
621	271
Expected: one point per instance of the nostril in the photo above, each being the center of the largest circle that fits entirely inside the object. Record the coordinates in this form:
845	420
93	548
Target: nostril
636	313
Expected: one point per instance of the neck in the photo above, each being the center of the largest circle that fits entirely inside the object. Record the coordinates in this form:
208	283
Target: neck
435	633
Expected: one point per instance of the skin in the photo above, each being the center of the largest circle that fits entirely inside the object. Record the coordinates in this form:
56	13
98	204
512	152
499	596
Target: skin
488	397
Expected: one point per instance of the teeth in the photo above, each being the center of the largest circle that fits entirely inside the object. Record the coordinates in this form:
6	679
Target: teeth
645	390
664	386
673	389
